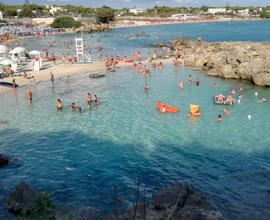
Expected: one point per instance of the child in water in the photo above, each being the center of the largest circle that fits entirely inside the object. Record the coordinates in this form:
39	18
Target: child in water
59	104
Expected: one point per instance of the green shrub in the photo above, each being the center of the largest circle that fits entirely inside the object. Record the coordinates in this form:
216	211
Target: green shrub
65	22
105	14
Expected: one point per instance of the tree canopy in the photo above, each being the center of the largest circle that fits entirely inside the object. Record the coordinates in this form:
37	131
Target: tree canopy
65	22
105	14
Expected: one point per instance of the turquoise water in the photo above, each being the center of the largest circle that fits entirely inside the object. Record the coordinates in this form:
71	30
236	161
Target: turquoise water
121	42
79	157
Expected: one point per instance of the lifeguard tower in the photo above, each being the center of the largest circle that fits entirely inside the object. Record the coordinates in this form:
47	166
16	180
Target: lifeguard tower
82	56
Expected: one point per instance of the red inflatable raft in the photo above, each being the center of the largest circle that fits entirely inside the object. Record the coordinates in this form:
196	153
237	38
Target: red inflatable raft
168	108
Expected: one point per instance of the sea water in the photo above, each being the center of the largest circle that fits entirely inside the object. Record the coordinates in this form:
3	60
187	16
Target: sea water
124	41
81	156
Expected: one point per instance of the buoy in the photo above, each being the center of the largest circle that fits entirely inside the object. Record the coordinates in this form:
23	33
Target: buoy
249	117
256	94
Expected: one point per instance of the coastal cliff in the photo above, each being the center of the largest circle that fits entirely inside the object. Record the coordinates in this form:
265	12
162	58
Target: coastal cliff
232	60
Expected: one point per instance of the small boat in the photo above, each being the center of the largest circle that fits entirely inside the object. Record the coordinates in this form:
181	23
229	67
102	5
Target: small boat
222	100
168	108
8	84
96	75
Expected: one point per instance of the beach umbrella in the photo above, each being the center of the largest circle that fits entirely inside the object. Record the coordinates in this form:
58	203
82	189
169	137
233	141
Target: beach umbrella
7	62
34	53
18	50
3	49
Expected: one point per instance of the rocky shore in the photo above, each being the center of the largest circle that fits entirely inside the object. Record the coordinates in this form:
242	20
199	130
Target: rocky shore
231	60
177	202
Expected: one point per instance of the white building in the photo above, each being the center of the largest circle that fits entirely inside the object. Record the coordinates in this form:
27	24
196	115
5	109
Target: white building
1	15
54	10
216	10
244	12
136	10
182	16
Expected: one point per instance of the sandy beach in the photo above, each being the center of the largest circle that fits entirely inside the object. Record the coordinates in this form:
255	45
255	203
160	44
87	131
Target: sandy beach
59	70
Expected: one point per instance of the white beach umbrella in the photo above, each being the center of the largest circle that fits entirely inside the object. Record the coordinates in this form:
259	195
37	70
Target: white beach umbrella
34	52
3	49
18	50
7	62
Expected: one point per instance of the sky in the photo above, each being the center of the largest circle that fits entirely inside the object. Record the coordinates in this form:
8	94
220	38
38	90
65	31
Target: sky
144	3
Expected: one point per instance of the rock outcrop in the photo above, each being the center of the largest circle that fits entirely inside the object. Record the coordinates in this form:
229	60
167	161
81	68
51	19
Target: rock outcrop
233	60
178	202
3	160
22	199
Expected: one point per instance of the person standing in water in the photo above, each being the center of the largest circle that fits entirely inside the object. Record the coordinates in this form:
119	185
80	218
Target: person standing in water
189	79
59	105
14	84
88	97
88	106
197	82
181	84
52	77
30	96
95	100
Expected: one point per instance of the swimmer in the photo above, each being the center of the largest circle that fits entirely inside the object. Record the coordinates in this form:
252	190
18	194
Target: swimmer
226	112
262	100
59	104
256	93
79	109
219	118
146	87
30	96
215	84
73	106
3	122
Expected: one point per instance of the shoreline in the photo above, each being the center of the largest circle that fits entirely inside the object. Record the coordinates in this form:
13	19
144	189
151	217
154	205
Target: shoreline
171	22
59	70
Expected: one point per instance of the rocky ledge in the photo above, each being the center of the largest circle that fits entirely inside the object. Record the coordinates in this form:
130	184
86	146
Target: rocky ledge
178	202
232	60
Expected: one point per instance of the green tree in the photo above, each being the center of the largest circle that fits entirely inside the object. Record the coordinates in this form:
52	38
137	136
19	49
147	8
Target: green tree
204	8
10	12
65	22
26	13
105	14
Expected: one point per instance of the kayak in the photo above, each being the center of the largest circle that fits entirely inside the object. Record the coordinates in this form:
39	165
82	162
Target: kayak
222	100
171	109
95	75
8	84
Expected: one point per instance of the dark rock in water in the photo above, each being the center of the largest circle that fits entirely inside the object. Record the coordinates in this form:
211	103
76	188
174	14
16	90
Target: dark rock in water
182	202
21	200
3	160
170	196
86	213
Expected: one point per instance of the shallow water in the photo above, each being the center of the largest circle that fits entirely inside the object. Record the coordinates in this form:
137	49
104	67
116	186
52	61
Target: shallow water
80	157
